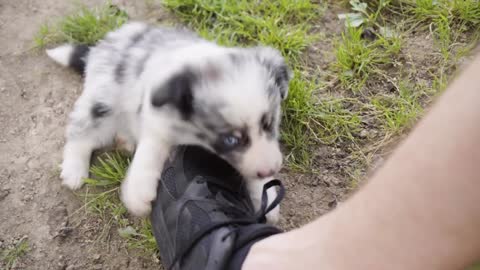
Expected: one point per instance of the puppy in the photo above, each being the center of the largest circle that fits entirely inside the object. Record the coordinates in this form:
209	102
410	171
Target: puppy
154	88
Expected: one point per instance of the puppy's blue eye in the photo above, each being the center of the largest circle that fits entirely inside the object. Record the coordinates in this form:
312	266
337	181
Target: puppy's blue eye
231	141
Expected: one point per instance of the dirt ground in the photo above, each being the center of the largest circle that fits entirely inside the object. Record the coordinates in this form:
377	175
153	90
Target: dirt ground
36	96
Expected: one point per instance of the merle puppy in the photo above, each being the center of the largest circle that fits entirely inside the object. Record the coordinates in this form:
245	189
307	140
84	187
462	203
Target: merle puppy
154	87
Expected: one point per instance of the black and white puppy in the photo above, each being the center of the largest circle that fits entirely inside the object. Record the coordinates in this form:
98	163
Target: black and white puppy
156	87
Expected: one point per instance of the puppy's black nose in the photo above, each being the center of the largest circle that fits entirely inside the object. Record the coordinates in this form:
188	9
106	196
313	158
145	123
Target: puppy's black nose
265	174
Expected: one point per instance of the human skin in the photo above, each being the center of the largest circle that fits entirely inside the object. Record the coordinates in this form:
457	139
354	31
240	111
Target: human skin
421	210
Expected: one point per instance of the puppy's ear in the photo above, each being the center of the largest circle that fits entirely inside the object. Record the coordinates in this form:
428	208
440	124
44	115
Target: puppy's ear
277	66
177	91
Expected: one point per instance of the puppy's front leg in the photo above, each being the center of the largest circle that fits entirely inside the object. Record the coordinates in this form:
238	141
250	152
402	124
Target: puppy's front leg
255	188
140	186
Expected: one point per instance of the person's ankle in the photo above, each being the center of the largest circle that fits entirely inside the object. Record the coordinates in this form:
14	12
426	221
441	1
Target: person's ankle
300	247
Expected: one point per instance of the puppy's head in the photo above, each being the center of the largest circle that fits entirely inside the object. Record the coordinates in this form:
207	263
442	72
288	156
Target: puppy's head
230	104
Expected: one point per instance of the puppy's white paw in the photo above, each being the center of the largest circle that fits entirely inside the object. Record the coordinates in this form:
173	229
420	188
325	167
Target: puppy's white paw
273	217
138	196
125	144
73	173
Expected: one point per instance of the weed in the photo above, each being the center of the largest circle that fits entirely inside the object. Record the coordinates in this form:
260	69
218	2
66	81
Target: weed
366	13
10	256
85	26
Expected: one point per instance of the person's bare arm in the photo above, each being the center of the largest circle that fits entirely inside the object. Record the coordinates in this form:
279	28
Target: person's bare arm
420	211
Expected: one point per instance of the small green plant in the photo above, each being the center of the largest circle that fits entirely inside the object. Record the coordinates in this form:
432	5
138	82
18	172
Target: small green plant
364	14
10	256
85	26
141	237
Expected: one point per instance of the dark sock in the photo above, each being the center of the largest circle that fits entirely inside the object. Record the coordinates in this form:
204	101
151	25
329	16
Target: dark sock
236	262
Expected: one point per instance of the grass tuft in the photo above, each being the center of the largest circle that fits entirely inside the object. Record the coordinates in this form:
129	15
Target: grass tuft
367	45
102	198
400	111
85	26
10	256
281	24
359	58
448	19
308	121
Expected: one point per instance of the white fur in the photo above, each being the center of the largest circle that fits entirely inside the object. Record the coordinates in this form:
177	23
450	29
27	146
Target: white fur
61	54
153	131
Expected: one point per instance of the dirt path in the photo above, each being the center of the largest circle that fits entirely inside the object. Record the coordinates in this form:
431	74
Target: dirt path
36	96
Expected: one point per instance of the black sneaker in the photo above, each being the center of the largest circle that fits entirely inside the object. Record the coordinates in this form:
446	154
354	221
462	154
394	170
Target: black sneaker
203	213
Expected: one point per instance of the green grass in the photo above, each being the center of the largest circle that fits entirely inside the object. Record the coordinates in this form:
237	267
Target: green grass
85	26
281	24
400	110
359	58
10	256
102	199
459	12
309	121
447	19
364	66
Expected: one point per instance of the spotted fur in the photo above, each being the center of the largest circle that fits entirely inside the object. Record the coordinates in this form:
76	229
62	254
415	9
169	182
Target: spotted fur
157	87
